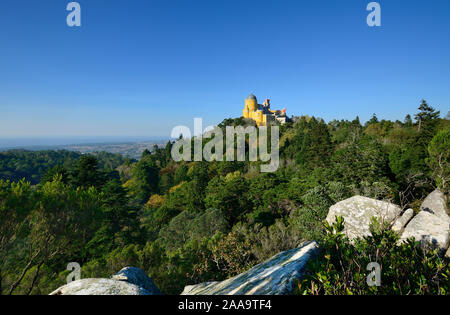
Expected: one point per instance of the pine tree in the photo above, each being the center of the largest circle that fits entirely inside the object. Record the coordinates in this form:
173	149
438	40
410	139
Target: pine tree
168	151
408	120
86	173
373	120
145	177
426	114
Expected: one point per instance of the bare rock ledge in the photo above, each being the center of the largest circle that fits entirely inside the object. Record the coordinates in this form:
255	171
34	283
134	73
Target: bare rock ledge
129	281
275	276
358	211
431	226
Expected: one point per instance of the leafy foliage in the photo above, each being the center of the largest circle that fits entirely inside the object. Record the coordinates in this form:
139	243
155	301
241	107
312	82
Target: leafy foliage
341	268
190	222
16	165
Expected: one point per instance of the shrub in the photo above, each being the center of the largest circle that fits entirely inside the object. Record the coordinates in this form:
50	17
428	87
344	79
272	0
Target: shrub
341	266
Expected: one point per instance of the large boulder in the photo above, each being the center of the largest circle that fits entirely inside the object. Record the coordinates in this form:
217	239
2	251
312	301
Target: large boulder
138	277
358	212
275	276
100	287
436	204
400	223
129	281
431	226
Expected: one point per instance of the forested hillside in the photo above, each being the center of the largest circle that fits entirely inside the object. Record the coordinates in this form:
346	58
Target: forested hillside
190	222
31	165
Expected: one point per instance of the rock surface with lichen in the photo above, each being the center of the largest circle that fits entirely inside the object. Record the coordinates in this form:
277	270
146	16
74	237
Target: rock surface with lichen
358	212
275	276
128	281
431	226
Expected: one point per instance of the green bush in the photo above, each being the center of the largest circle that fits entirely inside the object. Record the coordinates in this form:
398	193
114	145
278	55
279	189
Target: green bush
341	266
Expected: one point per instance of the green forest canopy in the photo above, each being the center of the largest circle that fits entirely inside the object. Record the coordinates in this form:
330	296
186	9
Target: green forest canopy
191	222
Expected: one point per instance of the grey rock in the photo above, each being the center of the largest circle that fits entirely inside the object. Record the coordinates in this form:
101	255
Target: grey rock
129	281
436	204
431	226
400	223
138	277
358	212
197	288
428	229
100	287
447	254
273	277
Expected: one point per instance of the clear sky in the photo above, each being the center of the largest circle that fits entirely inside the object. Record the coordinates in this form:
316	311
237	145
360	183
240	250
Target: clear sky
141	67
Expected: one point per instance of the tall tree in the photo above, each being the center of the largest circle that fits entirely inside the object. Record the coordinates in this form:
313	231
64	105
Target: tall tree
373	120
426	114
408	120
439	151
86	173
145	177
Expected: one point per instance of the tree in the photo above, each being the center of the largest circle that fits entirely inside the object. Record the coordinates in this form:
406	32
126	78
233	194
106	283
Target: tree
426	114
145	178
156	201
310	146
120	218
365	160
439	161
180	174
168	151
16	203
165	182
232	253
60	223
54	171
373	120
176	233
86	173
188	226
408	120
229	195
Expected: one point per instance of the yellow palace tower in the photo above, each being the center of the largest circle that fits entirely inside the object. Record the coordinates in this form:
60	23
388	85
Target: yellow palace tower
262	114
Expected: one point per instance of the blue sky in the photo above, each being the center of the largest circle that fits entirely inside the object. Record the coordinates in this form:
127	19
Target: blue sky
141	67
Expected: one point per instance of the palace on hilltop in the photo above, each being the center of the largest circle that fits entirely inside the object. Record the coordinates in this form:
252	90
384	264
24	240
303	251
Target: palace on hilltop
261	113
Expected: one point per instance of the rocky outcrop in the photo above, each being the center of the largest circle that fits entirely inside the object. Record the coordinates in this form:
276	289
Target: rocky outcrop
436	204
100	287
275	276
400	223
129	281
137	277
358	212
431	226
